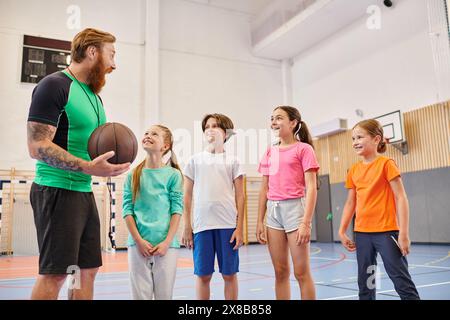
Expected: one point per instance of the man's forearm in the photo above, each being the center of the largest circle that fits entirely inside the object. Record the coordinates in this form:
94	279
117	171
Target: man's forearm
41	147
57	157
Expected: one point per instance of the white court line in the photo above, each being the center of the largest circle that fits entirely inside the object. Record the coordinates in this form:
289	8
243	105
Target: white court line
254	255
254	262
97	279
439	260
386	291
267	255
2	281
381	262
5	281
427	266
112	280
262	261
255	289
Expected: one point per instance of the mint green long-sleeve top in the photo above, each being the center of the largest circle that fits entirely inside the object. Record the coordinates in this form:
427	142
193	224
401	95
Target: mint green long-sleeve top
160	196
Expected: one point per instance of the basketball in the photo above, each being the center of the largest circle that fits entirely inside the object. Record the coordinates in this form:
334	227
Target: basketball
113	136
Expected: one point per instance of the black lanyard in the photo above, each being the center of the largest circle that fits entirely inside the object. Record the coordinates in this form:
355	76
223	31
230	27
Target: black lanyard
96	110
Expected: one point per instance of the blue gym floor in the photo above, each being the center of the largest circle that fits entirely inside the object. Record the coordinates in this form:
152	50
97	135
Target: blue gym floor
334	271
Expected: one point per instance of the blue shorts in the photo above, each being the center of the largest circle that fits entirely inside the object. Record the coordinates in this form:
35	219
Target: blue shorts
209	242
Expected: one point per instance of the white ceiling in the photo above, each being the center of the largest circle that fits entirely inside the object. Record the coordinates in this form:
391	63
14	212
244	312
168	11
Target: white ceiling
315	24
252	7
310	27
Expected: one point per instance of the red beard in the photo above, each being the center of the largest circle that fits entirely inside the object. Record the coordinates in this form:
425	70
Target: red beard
96	78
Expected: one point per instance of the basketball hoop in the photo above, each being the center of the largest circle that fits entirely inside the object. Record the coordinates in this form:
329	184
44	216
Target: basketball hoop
401	146
394	132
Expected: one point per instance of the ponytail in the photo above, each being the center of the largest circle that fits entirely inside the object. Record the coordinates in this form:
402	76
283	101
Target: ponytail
305	136
302	133
382	146
174	162
136	180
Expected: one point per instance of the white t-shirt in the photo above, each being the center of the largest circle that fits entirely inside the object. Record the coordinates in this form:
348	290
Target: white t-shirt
214	197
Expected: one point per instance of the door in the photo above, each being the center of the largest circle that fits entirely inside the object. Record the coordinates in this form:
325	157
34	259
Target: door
324	222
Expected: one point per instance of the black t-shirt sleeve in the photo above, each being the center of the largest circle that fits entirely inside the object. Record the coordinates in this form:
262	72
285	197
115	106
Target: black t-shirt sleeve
49	99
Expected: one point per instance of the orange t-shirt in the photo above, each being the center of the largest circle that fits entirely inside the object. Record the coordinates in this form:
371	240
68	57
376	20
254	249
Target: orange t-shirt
375	202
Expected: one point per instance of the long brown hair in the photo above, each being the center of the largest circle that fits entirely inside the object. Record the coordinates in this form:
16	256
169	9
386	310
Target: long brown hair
136	179
301	131
374	128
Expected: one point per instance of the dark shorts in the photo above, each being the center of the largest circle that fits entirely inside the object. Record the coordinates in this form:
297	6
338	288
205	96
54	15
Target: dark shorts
68	229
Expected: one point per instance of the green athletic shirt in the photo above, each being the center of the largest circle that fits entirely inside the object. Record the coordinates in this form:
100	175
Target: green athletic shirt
59	100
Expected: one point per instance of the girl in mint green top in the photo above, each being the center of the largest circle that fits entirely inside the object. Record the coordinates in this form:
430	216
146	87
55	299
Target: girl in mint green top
152	206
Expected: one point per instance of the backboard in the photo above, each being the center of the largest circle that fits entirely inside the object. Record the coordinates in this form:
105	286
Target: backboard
393	128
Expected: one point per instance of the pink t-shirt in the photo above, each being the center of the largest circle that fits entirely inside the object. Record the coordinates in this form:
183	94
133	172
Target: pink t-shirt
285	168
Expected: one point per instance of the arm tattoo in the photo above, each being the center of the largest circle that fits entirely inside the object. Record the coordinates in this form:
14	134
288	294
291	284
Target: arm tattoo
60	159
40	132
51	154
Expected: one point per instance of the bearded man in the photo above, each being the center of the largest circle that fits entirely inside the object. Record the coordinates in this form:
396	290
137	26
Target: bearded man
65	109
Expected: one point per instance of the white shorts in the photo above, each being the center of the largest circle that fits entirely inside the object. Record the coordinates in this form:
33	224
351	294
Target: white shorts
285	215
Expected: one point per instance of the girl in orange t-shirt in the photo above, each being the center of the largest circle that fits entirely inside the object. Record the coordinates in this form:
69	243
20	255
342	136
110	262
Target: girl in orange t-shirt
376	192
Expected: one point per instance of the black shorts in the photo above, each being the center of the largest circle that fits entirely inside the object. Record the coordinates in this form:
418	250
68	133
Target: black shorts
68	229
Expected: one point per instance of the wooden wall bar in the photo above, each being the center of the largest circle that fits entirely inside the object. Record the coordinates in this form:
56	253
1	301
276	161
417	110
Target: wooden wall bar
427	132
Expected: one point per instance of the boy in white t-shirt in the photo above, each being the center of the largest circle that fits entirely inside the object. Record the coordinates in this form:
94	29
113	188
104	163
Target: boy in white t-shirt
216	180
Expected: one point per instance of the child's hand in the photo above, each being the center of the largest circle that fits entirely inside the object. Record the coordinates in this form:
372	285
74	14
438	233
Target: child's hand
261	233
239	237
303	234
404	243
186	239
144	247
160	249
347	243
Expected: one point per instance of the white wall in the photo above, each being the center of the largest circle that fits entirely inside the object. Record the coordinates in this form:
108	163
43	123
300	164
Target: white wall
122	96
206	66
378	71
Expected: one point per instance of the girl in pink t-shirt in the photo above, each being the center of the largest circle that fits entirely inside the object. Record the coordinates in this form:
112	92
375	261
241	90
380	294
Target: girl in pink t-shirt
288	194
